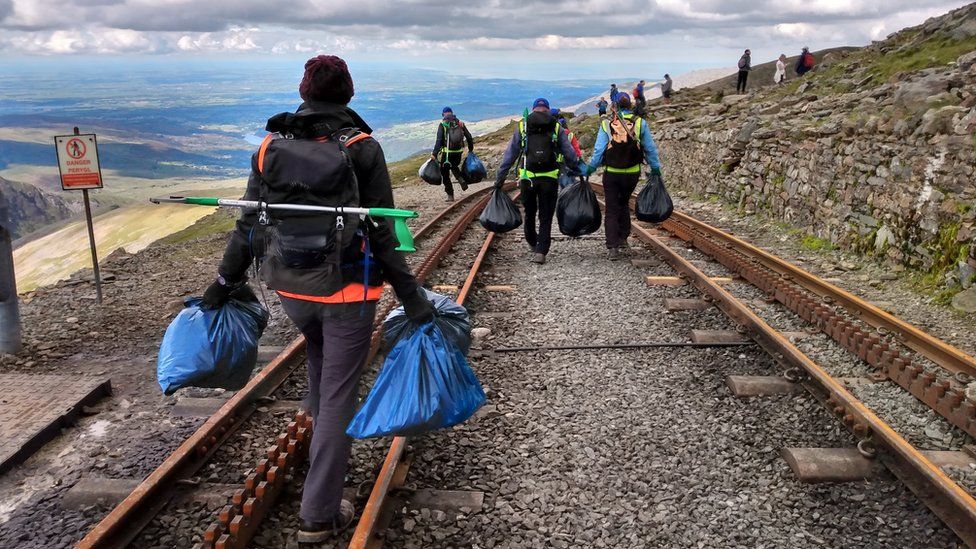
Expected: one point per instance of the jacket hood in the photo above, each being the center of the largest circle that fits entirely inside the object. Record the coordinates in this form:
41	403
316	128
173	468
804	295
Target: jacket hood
316	118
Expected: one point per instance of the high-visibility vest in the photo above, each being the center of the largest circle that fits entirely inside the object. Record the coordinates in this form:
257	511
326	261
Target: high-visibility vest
526	174
446	149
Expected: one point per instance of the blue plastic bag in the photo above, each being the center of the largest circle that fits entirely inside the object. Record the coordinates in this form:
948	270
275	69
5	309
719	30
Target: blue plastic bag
213	348
424	384
473	168
451	318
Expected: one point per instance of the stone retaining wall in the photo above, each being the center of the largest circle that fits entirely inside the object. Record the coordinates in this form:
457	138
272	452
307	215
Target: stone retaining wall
887	171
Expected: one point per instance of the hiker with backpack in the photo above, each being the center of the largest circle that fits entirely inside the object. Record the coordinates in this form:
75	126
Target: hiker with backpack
571	136
805	62
614	93
328	269
448	147
639	100
623	143
538	143
745	65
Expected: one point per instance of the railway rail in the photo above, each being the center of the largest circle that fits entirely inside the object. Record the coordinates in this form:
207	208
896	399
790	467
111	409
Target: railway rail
887	343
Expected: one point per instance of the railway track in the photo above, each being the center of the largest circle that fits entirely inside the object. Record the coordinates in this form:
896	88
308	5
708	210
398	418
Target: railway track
931	370
238	521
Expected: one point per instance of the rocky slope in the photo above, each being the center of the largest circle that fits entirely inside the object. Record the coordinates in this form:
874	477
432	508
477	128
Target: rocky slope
873	152
28	208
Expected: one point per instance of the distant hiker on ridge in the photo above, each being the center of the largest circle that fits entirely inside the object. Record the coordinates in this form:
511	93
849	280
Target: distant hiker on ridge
451	136
667	88
805	63
780	76
623	143
639	100
601	106
538	141
614	93
745	65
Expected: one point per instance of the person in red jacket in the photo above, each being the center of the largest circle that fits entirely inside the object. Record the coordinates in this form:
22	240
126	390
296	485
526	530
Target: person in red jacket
571	136
328	285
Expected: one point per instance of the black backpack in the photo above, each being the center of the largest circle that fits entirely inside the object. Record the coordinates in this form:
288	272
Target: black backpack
454	136
624	148
540	142
316	171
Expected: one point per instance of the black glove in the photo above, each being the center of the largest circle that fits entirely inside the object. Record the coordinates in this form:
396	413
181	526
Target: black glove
418	308
218	293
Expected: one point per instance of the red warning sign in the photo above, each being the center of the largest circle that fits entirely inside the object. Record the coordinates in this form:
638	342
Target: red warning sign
78	162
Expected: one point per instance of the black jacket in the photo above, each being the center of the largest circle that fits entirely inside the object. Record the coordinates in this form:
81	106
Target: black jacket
439	142
311	120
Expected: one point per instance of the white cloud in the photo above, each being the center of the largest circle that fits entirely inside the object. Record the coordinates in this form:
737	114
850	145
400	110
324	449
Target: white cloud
413	27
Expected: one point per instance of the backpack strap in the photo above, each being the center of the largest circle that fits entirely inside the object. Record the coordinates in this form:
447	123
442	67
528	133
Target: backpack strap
262	151
356	138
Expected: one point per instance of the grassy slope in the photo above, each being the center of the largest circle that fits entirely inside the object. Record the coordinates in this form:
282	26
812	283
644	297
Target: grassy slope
56	256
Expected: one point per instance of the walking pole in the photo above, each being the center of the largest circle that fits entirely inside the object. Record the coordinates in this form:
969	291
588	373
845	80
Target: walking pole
399	217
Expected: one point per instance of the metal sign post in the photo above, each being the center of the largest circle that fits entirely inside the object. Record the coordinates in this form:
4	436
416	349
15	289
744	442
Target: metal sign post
10	338
80	170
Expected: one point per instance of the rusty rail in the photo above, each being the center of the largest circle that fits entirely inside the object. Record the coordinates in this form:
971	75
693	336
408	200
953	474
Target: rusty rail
394	469
131	515
941	494
936	350
852	322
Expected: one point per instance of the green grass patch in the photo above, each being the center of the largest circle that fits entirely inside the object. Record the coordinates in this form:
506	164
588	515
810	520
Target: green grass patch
815	244
218	222
938	51
404	172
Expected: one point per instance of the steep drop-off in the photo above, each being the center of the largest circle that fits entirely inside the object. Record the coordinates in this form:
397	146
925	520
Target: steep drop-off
27	208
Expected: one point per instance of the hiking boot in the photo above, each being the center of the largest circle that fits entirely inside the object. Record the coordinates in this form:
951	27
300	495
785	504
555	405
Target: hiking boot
317	532
450	198
613	254
538	258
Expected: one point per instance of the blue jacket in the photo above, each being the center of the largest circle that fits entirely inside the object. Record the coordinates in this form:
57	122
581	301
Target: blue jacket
646	140
514	151
614	94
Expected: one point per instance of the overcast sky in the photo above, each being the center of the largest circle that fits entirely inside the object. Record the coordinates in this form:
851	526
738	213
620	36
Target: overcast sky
439	33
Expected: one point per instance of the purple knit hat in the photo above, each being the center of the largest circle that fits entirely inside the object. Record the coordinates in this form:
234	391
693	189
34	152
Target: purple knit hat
326	79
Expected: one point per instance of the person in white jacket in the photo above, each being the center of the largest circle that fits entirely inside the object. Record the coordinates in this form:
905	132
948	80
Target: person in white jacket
780	76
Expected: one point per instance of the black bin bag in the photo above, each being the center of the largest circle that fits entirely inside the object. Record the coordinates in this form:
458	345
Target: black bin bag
501	215
431	172
577	210
473	169
653	202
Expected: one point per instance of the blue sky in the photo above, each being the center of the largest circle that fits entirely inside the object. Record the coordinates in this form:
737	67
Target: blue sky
569	39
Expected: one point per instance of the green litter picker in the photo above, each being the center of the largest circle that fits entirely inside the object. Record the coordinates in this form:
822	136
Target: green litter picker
399	217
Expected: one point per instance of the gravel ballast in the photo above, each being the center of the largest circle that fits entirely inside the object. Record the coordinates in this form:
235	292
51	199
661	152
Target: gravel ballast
633	448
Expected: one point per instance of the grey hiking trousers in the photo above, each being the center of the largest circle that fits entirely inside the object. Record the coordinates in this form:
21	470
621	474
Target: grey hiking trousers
337	339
